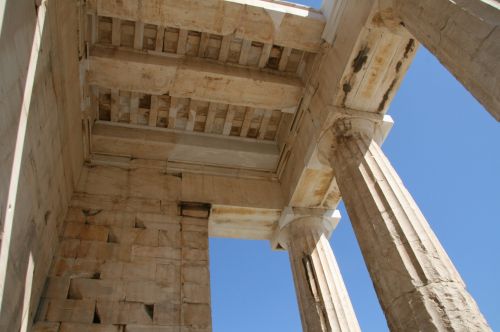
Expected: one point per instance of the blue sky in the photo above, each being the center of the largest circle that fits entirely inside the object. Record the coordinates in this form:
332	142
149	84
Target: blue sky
445	147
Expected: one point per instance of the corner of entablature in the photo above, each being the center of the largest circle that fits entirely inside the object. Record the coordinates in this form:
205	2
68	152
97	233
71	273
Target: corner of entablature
386	16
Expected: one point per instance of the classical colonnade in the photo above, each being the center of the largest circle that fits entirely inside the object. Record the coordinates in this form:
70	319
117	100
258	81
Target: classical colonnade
417	285
416	282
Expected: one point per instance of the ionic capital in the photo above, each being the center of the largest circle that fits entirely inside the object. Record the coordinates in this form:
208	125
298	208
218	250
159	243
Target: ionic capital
295	220
351	138
354	127
351	123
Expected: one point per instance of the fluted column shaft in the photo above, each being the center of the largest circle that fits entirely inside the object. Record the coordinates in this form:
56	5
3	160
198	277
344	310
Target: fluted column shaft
416	283
323	300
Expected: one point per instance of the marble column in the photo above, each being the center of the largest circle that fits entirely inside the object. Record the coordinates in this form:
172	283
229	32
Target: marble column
416	283
323	300
464	35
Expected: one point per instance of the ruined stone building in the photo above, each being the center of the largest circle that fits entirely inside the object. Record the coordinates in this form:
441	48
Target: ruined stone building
132	130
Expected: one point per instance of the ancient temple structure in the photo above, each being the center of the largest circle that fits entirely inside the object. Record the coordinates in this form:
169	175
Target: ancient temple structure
132	130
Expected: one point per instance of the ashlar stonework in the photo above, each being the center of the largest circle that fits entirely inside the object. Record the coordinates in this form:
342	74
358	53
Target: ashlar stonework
134	130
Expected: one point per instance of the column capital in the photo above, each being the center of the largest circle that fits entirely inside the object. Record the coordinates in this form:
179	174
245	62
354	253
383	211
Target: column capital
354	127
318	157
357	125
322	221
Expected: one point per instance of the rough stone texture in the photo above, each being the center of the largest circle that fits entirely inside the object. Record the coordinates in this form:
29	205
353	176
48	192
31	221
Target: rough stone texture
39	94
360	72
125	252
323	300
46	327
126	266
416	283
465	36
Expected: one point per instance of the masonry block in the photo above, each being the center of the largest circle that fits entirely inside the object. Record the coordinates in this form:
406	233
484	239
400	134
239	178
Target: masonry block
104	251
117	218
56	288
140	236
45	327
170	236
150	328
195	329
196	315
72	327
168	274
68	248
195	293
75	268
167	313
139	271
61	266
196	255
155	254
120	271
195	225
75	214
116	205
96	289
84	268
196	273
148	292
69	310
128	271
112	270
196	240
86	232
72	230
159	221
111	312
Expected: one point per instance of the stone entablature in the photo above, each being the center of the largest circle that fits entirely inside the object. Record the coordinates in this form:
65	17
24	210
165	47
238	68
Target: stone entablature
260	114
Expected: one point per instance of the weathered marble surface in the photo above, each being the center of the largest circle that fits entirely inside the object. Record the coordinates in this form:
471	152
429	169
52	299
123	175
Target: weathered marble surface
416	283
323	300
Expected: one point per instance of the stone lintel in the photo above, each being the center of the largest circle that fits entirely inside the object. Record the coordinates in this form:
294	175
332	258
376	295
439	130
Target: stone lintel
247	223
115	139
261	21
191	78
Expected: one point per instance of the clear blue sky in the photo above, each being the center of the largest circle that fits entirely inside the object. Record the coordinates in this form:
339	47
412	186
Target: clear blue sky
446	148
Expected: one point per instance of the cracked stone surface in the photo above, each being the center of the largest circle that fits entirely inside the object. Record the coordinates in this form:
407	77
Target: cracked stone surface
323	300
416	283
